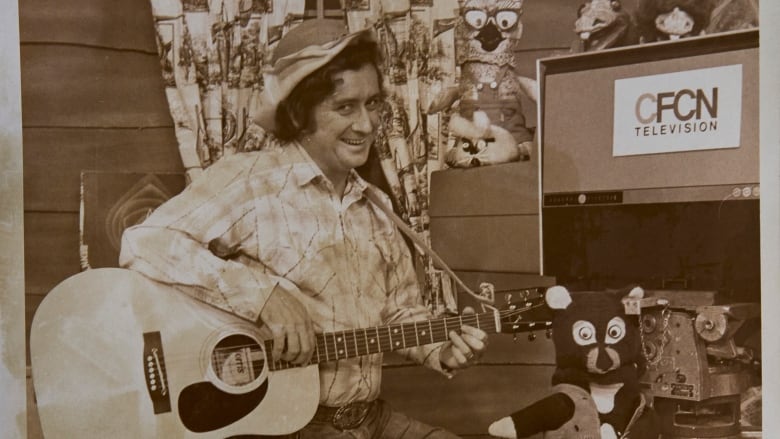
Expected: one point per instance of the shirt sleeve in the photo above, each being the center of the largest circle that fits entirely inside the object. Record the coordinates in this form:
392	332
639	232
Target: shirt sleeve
187	241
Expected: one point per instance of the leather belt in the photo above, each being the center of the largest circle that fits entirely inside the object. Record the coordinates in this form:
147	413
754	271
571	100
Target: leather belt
346	417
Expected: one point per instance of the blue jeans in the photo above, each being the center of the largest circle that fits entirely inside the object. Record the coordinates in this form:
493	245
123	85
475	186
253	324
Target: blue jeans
382	422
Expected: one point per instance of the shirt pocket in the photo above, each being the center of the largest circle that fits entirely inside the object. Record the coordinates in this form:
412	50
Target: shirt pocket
384	258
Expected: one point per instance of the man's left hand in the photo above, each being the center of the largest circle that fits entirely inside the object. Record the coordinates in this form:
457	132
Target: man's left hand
464	348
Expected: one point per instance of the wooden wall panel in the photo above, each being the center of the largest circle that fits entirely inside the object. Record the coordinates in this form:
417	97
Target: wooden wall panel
528	63
505	189
54	159
72	86
125	24
470	401
507	243
538	18
487	219
506	349
51	249
31	302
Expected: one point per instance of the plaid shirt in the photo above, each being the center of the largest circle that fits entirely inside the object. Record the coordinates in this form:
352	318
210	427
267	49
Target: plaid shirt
265	220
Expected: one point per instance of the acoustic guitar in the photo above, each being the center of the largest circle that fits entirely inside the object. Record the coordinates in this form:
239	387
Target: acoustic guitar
116	355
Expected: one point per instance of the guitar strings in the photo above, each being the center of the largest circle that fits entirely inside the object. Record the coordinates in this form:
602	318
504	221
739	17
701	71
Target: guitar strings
383	334
325	342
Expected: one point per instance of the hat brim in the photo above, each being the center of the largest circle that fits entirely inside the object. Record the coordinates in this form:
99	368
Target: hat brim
289	71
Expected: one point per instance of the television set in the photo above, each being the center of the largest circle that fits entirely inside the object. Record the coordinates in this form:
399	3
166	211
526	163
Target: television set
650	166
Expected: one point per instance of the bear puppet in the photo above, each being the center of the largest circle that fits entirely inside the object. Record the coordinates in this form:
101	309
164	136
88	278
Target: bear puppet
595	391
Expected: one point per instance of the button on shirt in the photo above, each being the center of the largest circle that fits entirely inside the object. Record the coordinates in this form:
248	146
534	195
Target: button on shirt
269	221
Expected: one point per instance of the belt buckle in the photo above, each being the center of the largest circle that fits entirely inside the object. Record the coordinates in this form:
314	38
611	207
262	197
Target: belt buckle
351	415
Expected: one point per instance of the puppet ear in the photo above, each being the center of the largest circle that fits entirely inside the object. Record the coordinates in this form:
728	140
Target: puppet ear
636	293
557	297
632	303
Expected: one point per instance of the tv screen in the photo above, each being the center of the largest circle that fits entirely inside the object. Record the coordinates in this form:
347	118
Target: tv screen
650	166
661	122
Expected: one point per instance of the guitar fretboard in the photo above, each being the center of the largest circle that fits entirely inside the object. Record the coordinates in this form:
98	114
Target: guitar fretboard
352	343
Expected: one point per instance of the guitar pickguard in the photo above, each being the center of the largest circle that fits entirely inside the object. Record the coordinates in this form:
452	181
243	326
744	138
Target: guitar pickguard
203	407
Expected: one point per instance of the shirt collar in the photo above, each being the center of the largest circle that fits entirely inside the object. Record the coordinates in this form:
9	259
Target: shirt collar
306	171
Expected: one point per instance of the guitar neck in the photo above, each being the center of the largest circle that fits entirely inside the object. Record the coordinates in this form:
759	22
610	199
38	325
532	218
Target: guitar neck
352	343
340	345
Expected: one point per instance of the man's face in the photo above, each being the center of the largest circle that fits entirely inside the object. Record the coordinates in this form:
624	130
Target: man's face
344	123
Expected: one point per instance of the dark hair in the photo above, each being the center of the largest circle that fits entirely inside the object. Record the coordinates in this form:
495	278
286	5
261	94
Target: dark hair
293	114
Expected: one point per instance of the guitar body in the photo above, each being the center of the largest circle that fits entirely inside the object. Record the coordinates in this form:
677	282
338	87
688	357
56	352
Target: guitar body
115	355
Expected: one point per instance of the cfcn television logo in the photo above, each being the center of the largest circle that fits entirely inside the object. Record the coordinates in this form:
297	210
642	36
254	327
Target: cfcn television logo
683	111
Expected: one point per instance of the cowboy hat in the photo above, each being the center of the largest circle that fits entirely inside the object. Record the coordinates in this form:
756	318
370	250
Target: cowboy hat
300	52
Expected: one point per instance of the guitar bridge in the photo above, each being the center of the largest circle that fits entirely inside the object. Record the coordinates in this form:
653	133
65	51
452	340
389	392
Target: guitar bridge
154	372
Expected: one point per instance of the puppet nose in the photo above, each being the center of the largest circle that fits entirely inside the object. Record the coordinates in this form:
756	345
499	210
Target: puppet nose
603	361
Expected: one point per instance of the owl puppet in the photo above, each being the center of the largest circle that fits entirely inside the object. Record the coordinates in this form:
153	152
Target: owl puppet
488	125
603	24
595	391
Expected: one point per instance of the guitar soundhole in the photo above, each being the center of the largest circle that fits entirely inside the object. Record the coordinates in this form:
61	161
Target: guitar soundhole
237	360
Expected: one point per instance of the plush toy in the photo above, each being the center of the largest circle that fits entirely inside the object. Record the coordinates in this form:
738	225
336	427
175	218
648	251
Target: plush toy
481	143
603	24
487	100
659	20
728	15
595	390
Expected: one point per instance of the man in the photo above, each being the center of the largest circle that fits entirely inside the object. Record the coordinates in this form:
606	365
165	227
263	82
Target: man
286	238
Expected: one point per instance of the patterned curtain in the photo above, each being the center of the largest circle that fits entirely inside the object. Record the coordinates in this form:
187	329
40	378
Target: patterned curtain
212	54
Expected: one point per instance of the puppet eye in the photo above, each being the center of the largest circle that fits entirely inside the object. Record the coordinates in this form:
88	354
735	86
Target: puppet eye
506	19
476	18
584	332
616	330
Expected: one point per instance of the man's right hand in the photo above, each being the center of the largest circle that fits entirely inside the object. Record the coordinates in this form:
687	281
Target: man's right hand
290	326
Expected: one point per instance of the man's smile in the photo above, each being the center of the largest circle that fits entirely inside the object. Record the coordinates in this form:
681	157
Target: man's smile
354	142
